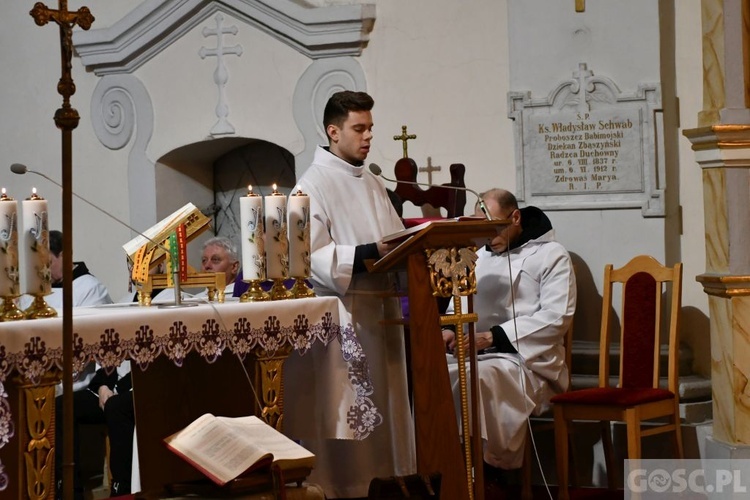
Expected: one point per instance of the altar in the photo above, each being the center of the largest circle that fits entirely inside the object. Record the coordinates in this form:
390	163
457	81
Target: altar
31	360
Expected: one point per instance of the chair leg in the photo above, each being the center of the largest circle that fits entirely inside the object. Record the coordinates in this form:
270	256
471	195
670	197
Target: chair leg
528	463
679	450
609	454
633	422
561	450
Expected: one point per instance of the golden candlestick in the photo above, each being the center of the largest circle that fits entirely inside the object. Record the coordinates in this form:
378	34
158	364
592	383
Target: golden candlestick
255	293
39	308
9	311
278	290
300	290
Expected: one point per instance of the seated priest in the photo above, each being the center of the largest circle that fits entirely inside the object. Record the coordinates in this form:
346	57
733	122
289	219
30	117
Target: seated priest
521	346
220	256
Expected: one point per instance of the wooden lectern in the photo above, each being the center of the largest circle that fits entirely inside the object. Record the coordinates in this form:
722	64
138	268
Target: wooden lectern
439	262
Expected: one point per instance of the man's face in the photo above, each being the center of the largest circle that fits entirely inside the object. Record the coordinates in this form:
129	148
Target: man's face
216	260
351	142
56	267
509	233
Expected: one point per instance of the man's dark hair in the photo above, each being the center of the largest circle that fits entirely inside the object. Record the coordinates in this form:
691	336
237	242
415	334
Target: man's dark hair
55	242
341	103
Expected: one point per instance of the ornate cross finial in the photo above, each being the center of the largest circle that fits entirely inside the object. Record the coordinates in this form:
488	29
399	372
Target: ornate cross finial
580	5
404	137
221	76
430	168
66	118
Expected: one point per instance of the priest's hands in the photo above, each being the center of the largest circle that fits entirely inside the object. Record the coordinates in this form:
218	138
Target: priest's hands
385	248
104	394
482	340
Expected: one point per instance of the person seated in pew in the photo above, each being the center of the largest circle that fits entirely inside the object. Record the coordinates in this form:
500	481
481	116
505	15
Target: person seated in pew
525	301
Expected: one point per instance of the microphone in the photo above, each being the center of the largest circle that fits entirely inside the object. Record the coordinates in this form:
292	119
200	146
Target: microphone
375	169
21	169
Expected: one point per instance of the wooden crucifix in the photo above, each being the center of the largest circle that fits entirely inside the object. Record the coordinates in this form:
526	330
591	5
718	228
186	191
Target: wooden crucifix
404	137
66	119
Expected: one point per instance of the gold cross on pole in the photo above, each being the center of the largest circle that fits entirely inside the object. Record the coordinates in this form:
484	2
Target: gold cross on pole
66	117
430	168
404	137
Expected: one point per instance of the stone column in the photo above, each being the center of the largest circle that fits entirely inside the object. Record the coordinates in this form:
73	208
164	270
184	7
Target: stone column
722	149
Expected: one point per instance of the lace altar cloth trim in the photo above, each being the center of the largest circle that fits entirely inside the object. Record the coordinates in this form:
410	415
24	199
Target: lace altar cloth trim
110	334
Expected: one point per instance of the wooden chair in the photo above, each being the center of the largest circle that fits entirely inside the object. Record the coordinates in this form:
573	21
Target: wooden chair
539	424
637	397
452	200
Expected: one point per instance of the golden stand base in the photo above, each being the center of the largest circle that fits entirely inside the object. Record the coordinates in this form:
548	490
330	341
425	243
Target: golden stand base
300	290
255	293
39	309
9	311
278	290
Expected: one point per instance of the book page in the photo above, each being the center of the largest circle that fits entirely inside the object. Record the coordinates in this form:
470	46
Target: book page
215	448
286	453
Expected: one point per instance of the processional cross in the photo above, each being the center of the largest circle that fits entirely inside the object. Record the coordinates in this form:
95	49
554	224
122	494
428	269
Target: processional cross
66	119
404	137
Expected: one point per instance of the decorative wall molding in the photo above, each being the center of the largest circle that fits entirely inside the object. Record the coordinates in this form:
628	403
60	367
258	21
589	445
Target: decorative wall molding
321	79
120	107
317	32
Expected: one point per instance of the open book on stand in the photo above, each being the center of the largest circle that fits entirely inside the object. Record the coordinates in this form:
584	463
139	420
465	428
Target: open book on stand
404	234
225	449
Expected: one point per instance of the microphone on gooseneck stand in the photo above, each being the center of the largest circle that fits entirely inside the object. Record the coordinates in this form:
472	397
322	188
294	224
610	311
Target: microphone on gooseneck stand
20	169
375	169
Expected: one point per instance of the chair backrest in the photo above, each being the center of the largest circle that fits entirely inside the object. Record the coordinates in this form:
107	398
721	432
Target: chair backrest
452	200
642	319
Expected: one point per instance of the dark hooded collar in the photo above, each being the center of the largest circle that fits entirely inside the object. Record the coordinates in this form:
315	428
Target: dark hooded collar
79	269
534	223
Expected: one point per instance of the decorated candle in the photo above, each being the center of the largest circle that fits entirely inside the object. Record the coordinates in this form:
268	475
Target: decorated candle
276	242
251	232
37	279
299	235
9	282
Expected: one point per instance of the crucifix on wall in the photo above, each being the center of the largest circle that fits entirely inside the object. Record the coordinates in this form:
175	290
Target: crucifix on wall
430	168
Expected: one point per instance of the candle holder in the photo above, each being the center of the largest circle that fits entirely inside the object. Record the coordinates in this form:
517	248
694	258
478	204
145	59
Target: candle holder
255	293
278	290
9	311
300	290
39	308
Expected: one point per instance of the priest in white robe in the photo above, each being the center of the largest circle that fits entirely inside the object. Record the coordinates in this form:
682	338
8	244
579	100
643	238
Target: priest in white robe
525	301
366	433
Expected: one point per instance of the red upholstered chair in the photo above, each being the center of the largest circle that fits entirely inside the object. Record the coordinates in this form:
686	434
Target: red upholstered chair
638	396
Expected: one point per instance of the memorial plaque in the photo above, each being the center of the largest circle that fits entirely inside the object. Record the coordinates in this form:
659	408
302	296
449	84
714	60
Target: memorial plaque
588	146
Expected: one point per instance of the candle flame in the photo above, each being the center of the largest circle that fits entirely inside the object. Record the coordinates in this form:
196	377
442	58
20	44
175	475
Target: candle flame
3	192
33	190
274	187
249	188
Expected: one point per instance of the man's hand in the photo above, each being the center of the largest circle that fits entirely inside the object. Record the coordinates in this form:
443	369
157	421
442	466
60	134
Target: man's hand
385	248
104	394
449	339
482	340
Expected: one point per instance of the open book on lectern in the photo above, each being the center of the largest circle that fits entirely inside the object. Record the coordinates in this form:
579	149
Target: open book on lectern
402	235
149	248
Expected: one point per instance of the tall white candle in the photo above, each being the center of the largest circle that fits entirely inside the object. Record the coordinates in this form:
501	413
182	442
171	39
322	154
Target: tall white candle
251	232
37	279
299	235
9	272
277	244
